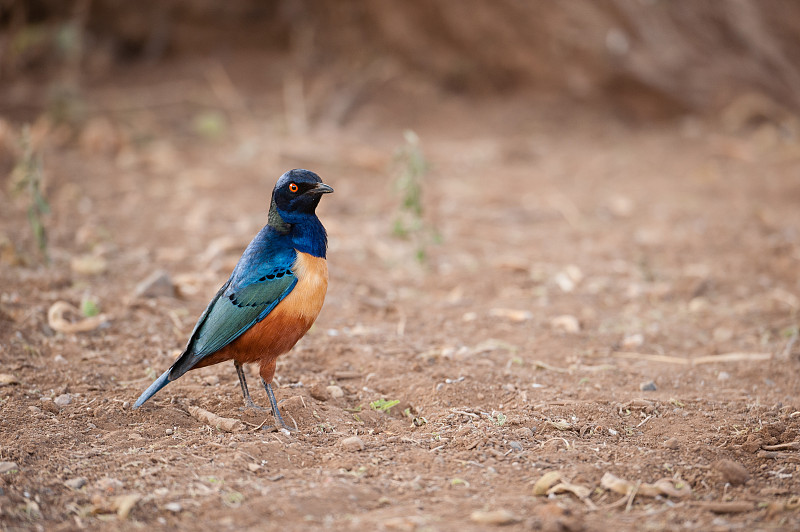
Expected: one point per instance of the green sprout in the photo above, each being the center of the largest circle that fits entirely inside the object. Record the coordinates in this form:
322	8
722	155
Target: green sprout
27	177
383	405
89	308
410	224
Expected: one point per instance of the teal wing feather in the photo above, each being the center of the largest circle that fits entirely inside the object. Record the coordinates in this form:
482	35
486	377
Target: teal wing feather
235	311
242	302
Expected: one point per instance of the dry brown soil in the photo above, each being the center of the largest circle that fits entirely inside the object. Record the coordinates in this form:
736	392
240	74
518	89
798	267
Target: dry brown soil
575	259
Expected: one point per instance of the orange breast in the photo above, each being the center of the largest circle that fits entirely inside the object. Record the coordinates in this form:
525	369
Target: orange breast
287	323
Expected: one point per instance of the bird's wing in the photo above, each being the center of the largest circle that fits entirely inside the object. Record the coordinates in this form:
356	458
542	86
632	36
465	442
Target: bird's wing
237	306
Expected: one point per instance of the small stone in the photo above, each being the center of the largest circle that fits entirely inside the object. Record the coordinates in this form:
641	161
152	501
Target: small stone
158	283
648	386
109	485
732	472
672	443
63	400
566	323
59	359
75	483
469	316
722	334
34	409
698	304
173	507
49	405
723	376
517	446
126	405
335	392
353	443
493	517
211	380
8	467
169	432
620	206
89	264
253	467
511	314
319	392
632	341
6	378
523	433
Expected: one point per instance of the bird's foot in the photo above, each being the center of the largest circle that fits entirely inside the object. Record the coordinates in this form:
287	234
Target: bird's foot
278	428
250	406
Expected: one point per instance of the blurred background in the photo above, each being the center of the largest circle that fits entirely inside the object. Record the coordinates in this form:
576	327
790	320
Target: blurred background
544	208
644	59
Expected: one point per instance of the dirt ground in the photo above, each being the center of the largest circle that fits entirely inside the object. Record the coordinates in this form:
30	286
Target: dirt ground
596	298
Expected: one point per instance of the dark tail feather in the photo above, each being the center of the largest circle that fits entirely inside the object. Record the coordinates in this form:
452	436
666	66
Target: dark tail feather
159	383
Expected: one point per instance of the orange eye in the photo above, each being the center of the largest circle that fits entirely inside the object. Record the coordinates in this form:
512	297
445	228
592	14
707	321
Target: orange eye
292	187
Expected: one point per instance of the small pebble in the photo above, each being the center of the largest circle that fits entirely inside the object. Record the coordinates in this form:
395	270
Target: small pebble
523	433
493	517
6	467
173	507
63	400
672	443
211	380
335	392
566	323
75	483
517	446
157	284
169	432
648	386
632	340
126	405
319	392
59	359
723	376
109	485
353	443
732	472
7	378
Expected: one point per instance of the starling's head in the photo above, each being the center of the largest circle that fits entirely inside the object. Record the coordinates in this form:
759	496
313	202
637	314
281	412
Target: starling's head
297	193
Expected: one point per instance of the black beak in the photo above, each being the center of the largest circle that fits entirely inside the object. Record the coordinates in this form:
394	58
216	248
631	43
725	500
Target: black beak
321	188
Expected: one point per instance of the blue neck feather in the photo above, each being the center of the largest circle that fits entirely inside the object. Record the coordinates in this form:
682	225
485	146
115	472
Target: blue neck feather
304	230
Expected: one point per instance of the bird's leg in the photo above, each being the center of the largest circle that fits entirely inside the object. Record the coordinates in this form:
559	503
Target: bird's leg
248	401
279	423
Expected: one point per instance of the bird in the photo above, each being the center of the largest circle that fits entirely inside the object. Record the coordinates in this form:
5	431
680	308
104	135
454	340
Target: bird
272	297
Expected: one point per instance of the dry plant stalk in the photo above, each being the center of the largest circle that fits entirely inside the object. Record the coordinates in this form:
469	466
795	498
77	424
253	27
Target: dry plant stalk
56	319
224	424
